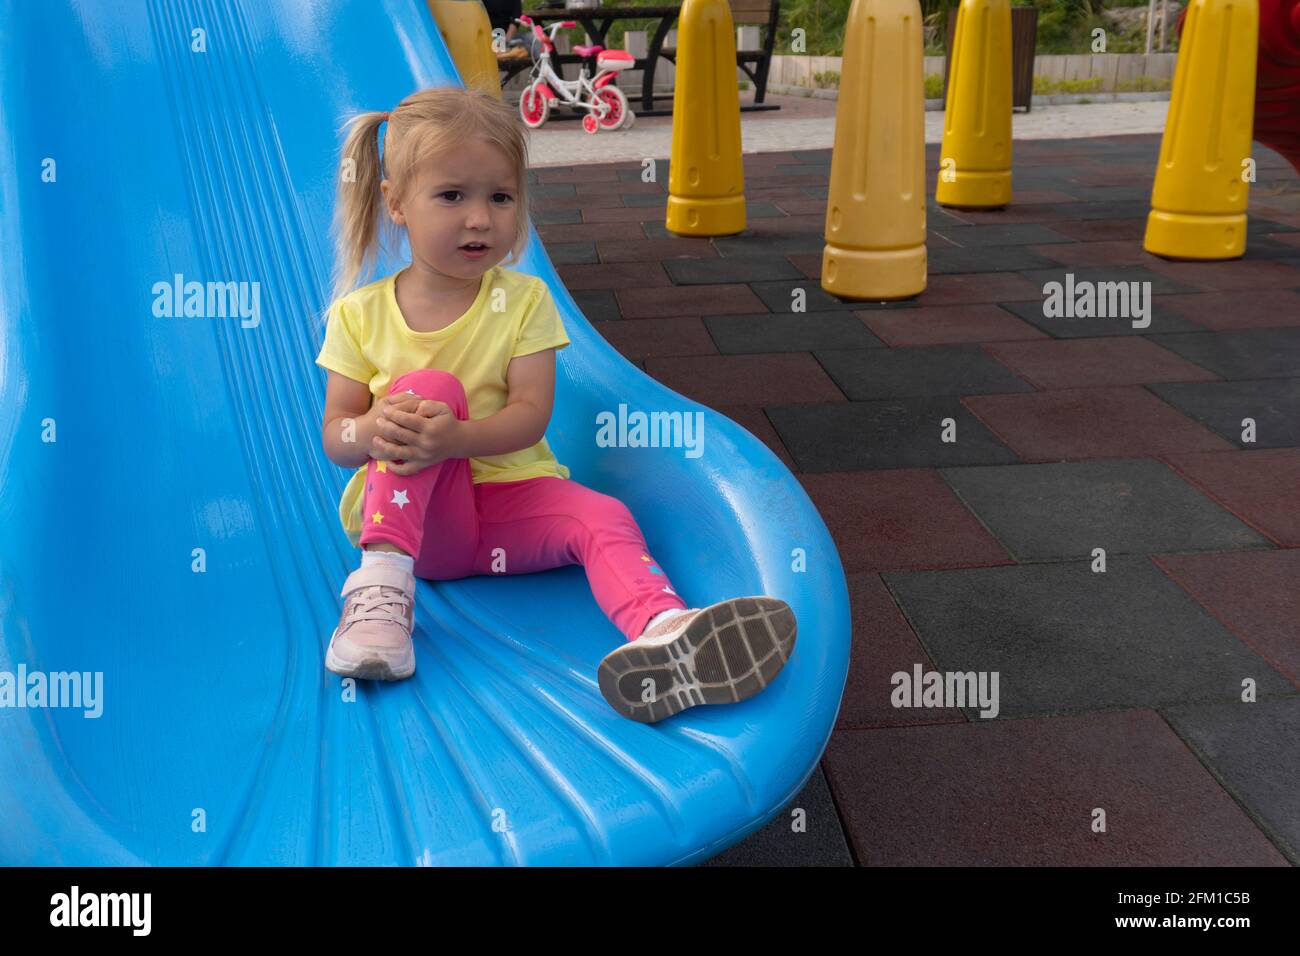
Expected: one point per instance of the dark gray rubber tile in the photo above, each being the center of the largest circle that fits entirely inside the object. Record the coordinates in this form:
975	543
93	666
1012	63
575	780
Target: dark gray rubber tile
978	237
1064	639
1273	403
779	297
1251	353
544	217
1163	319
598	305
1126	506
918	372
572	253
645	200
733	269
1010	258
902	433
1254	751
795	242
819	842
767	332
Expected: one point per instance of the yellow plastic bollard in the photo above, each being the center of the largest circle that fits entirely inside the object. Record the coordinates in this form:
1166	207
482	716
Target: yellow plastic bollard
706	178
1198	203
975	161
875	214
467	31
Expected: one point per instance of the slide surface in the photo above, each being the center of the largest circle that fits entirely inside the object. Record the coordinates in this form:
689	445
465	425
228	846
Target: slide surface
168	522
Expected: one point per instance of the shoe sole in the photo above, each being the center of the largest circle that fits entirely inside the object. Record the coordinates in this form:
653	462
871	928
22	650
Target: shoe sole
372	666
728	653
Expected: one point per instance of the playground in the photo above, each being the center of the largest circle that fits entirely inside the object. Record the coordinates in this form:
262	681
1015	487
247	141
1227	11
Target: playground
1007	408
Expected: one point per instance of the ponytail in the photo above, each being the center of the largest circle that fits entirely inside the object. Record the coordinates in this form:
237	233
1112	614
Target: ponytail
359	212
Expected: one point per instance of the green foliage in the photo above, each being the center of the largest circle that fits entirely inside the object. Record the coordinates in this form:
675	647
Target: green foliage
1045	86
933	86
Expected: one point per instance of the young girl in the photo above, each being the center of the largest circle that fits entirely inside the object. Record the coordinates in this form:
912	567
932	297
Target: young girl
441	382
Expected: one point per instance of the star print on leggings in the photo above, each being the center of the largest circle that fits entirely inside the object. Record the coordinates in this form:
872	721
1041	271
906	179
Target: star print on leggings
377	518
400	499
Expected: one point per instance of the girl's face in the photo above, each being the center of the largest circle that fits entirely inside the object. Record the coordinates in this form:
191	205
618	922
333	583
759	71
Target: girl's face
468	195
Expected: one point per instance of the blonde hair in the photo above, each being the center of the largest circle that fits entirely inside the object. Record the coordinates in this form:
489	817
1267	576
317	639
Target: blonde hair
423	126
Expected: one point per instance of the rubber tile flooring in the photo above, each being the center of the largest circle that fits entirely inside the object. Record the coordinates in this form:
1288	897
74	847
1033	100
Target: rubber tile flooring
1065	479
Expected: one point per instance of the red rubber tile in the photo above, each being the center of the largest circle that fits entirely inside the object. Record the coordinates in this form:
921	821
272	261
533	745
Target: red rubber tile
946	325
1023	792
1103	230
969	289
905	519
589	231
1032	197
1259	487
625	214
766	379
605	200
784	225
883	645
754	420
1123	422
1117	252
1256	594
653	250
1229	276
658	303
613	275
1083	363
657	337
802	206
1245	309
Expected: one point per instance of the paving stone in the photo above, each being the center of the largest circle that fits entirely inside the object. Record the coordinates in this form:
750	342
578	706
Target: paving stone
1249	354
981	260
730	269
933	370
899	520
901	433
948	325
1229	276
778	295
1254	750
801	332
1064	639
969	289
1120	252
746	379
652	250
769	246
1021	793
1121	422
1065	510
1255	594
1273	404
1079	363
615	275
1257	486
545	217
589	232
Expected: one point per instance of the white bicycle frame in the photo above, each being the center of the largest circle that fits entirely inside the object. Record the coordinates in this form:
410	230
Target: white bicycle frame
568	90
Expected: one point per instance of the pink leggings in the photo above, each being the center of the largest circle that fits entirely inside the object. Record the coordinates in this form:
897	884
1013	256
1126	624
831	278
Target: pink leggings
455	528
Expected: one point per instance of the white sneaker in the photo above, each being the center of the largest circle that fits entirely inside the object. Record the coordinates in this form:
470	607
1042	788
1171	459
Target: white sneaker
721	654
373	637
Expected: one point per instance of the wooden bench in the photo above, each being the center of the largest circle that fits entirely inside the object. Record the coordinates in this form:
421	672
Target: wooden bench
755	63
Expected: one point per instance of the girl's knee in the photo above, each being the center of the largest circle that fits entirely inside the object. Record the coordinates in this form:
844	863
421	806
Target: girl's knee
429	383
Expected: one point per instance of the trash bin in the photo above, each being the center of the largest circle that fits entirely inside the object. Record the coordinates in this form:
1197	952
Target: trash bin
1024	36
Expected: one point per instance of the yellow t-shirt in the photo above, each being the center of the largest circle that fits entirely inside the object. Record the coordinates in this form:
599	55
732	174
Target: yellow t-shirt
368	340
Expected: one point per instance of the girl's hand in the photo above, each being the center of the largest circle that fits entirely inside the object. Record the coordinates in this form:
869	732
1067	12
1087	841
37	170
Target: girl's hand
424	436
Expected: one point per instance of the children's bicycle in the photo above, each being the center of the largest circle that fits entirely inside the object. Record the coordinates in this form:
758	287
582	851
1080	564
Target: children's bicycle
605	103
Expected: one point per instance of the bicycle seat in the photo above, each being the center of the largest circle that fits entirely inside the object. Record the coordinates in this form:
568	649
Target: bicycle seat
588	50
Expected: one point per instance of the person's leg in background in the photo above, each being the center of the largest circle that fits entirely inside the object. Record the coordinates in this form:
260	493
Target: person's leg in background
422	524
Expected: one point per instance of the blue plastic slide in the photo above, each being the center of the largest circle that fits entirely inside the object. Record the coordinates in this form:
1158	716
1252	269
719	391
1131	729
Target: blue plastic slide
170	551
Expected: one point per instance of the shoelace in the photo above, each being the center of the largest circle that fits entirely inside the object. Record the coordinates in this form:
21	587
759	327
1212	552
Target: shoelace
379	602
